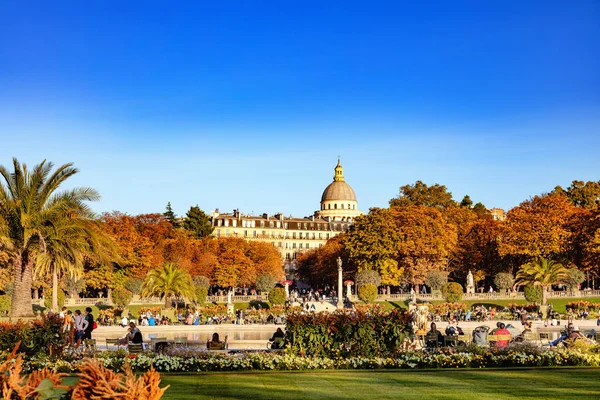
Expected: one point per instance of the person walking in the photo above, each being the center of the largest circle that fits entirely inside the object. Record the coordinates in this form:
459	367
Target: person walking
89	317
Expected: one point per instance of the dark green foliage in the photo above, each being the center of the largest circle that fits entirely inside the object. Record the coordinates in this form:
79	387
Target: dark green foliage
342	334
466	201
367	293
197	222
257	304
420	194
277	296
504	281
170	216
533	294
452	292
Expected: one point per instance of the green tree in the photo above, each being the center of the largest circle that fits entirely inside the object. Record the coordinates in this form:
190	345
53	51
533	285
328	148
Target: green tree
73	285
30	208
504	281
368	277
168	282
197	222
134	285
170	216
543	273
436	279
201	281
576	276
533	294
265	282
367	293
422	195
201	294
121	297
277	296
49	298
582	194
452	292
466	201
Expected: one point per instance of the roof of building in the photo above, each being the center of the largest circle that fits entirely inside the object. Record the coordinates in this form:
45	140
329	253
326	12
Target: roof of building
338	190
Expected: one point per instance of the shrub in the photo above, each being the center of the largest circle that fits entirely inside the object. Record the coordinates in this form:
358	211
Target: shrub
5	304
576	277
343	334
277	295
452	292
367	293
121	297
533	294
368	277
265	282
201	294
436	279
504	281
48	298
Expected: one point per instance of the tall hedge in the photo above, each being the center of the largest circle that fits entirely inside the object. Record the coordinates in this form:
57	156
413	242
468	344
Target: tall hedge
345	334
367	293
452	292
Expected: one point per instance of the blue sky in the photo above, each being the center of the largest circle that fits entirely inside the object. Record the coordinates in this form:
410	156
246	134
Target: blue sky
248	104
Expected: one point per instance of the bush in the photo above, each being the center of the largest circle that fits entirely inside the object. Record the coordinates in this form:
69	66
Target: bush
533	294
48	298
341	334
121	297
265	282
5	304
40	336
277	295
368	277
436	279
367	293
452	292
201	294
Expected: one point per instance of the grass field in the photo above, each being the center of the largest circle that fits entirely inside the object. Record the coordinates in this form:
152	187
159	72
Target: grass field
559	304
581	384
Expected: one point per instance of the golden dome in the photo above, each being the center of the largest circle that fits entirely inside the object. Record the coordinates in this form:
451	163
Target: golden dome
338	189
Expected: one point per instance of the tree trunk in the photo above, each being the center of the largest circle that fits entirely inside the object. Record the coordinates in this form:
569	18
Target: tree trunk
544	296
54	289
21	299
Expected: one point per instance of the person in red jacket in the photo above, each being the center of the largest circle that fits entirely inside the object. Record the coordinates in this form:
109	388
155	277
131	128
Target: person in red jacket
502	331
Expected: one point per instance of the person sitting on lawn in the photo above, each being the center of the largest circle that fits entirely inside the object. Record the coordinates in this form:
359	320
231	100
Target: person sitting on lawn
502	331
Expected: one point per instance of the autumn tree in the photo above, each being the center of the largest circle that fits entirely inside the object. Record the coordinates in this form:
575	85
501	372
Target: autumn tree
197	223
318	267
422	195
466	201
582	194
538	228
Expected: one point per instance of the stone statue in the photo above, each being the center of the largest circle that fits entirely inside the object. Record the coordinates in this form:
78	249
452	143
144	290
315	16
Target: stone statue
229	294
470	283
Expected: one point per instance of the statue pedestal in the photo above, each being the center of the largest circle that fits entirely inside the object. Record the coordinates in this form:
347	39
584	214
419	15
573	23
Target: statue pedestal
230	309
470	289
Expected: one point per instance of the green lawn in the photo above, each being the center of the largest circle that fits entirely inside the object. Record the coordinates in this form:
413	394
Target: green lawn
439	384
559	304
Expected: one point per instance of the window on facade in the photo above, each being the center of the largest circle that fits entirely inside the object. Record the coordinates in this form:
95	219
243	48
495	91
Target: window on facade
293	245
287	245
219	222
264	233
307	246
335	206
285	225
313	235
300	245
320	235
280	245
300	235
328	236
226	232
319	226
329	206
245	233
271	224
226	222
253	233
342	206
293	235
278	224
262	224
287	256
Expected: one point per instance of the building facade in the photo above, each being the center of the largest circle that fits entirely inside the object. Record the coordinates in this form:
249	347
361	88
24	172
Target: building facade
294	236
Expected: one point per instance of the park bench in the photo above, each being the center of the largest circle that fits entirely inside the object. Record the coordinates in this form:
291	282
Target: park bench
113	342
135	348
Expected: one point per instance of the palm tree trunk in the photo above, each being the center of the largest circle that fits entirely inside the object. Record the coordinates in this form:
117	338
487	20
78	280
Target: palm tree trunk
544	295
54	289
21	298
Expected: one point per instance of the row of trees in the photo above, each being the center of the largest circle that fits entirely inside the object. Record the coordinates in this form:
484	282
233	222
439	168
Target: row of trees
424	230
47	235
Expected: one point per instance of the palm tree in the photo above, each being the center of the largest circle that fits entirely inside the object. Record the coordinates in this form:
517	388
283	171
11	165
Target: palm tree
543	273
168	282
30	210
67	246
